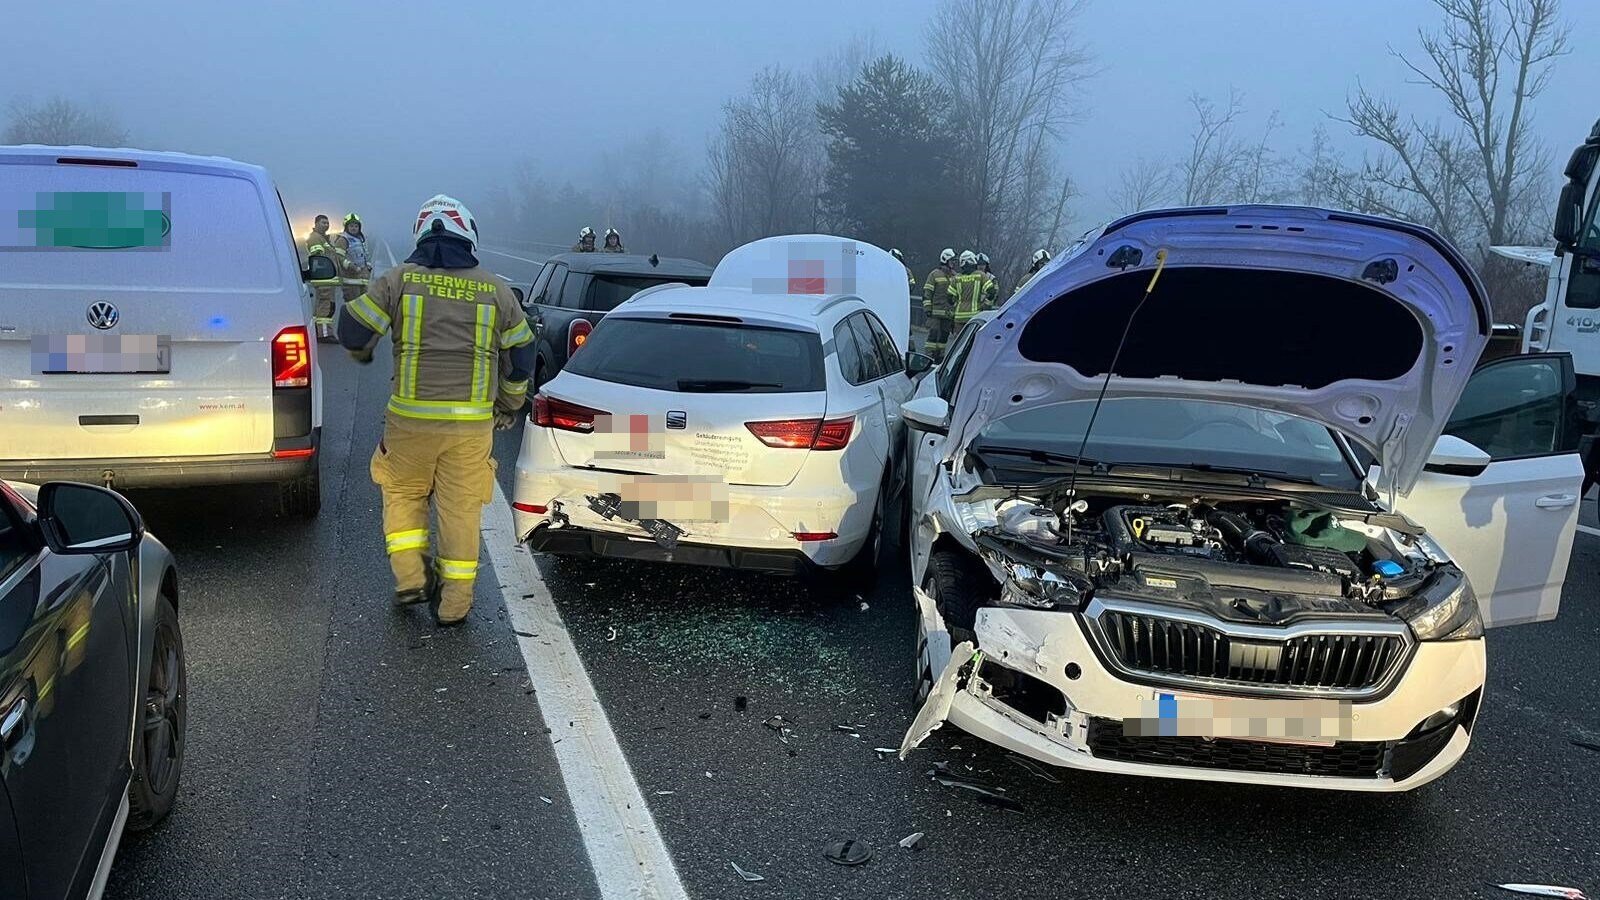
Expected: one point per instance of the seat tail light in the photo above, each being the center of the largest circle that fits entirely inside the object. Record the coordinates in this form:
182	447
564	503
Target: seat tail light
291	358
804	434
808	536
548	412
578	334
535	508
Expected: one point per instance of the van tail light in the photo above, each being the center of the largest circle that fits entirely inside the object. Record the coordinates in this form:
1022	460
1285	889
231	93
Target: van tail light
548	412
291	358
578	334
804	434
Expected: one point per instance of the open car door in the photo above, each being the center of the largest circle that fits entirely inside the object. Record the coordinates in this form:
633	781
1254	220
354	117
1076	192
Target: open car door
1511	526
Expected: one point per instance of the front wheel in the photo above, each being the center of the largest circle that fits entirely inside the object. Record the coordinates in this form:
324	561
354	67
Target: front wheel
159	737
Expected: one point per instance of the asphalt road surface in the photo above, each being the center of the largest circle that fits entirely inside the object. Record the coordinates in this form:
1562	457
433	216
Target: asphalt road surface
340	749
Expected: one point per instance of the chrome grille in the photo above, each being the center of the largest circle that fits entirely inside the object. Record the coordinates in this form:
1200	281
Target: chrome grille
1172	649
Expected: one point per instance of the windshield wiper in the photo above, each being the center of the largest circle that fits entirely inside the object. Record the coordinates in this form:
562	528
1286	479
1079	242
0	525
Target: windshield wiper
722	384
1241	470
1043	457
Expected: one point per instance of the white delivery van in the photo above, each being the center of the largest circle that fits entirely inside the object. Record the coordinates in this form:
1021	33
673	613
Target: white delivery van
154	324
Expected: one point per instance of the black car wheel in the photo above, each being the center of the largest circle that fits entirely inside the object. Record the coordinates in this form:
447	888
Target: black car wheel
302	497
163	716
959	584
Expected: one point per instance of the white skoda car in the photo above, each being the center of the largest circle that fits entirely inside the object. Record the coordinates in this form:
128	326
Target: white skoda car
1270	554
753	423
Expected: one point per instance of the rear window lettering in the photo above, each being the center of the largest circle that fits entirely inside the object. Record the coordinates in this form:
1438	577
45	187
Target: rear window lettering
701	357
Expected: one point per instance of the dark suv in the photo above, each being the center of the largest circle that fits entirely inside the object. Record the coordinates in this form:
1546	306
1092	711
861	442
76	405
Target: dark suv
575	290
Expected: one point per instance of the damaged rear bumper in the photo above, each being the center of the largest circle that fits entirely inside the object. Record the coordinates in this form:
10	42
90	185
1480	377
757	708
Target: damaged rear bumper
575	541
1039	690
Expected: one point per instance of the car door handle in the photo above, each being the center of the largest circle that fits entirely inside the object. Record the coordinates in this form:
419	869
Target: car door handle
1556	501
15	724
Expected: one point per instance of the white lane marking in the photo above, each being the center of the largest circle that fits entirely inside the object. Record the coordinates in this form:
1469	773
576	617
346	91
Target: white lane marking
1589	530
537	262
629	858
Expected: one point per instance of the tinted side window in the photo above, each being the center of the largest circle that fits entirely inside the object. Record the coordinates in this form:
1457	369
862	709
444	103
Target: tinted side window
844	344
888	354
950	372
16	545
572	290
1516	408
552	292
871	364
537	294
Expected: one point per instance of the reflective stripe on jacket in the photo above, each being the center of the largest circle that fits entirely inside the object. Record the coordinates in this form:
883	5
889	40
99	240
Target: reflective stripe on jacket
972	292
449	327
323	245
936	291
357	268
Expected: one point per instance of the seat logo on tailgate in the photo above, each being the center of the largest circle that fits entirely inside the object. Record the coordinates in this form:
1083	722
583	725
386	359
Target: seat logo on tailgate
677	419
103	315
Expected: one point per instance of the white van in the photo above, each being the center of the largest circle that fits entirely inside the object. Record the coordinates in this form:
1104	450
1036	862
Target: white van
154	324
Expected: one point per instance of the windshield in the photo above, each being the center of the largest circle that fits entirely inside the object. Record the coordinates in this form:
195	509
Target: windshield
1185	433
701	357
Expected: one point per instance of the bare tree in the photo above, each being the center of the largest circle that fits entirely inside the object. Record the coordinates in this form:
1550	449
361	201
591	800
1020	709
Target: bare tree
1144	184
1010	69
1477	175
1206	174
61	121
762	168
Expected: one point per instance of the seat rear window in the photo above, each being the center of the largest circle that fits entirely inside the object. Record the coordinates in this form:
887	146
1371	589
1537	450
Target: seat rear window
701	357
99	227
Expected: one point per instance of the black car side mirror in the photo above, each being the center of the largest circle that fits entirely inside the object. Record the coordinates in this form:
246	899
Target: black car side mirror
321	268
82	519
917	363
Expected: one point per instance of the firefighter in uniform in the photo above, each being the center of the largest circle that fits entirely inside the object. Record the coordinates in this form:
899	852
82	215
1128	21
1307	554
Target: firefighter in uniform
357	258
1040	257
911	279
984	267
613	242
318	243
585	242
463	352
972	291
936	304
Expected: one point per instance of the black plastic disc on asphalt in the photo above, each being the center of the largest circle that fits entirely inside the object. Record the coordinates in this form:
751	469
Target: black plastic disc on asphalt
848	853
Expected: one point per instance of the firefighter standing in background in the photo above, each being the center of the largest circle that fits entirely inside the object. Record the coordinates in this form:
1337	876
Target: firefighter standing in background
936	304
983	266
463	353
585	242
357	258
911	279
1040	257
972	291
613	243
318	243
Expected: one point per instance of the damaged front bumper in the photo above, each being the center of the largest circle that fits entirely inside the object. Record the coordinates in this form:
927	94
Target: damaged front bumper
1034	685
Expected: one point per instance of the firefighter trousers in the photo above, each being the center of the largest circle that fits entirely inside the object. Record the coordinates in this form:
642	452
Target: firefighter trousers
449	463
323	312
939	332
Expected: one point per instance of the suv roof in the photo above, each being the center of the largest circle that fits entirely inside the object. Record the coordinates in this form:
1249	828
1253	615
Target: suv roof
632	264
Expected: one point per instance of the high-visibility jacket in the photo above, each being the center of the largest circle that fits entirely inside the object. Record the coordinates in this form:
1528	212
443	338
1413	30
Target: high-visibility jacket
357	258
320	243
971	293
449	327
1027	277
911	279
617	249
936	292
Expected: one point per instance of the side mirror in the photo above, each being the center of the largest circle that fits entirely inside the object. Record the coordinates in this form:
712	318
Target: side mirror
1453	456
520	294
83	519
322	268
930	414
917	363
1569	215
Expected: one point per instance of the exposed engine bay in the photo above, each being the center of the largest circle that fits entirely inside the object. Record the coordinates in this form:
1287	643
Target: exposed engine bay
1269	560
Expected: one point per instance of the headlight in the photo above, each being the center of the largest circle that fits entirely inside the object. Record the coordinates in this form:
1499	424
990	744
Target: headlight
1445	612
1038	588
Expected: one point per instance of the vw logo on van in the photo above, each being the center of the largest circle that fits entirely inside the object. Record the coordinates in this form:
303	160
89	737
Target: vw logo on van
103	315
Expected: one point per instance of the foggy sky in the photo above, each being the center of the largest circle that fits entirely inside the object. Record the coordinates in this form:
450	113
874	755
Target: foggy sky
379	110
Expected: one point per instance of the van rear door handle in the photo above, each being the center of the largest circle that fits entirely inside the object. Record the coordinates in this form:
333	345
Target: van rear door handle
1556	501
14	725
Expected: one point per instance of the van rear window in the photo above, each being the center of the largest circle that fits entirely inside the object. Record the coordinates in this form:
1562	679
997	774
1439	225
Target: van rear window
701	357
144	228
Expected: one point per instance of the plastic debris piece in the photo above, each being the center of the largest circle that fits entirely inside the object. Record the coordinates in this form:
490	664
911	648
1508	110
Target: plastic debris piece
1544	890
1028	766
911	840
611	633
782	726
848	853
665	793
885	752
1587	745
520	633
985	794
864	606
546	799
746	874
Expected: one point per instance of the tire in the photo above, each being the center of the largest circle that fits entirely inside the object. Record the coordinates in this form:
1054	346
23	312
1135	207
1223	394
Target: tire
302	497
160	734
861	572
959	585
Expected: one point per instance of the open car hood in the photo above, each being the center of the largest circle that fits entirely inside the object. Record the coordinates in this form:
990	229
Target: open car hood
1366	325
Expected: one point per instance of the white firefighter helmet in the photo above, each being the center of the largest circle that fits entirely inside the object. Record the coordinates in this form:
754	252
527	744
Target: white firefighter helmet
612	232
585	232
452	217
983	259
1041	256
895	252
946	255
968	258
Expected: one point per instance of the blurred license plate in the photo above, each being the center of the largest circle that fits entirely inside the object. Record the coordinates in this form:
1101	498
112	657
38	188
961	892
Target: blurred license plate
673	498
1314	722
85	354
